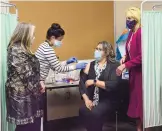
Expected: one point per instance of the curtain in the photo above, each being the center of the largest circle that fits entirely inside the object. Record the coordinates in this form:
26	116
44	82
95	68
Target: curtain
8	24
152	67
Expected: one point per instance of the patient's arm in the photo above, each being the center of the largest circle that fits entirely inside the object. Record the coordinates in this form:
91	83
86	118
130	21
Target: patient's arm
100	84
83	79
82	86
85	97
111	82
86	70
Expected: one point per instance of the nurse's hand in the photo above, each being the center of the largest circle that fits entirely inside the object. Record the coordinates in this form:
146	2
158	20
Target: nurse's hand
120	69
81	65
72	60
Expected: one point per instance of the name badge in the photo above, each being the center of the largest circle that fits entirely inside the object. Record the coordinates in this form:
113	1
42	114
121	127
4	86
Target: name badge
125	75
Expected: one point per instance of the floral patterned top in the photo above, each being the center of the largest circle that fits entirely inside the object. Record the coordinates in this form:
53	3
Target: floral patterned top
98	72
23	96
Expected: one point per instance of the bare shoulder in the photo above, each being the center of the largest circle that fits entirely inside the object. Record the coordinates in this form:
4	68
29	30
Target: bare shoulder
86	70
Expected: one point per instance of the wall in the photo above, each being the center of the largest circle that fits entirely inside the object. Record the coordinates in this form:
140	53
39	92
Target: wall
85	24
119	13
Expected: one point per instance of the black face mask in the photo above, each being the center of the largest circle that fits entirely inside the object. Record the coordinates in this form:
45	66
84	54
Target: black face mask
131	24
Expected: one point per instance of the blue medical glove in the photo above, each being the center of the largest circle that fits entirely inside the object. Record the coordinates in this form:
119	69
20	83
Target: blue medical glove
81	65
71	60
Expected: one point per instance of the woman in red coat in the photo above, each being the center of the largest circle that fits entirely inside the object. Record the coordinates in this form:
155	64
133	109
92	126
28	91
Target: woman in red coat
133	62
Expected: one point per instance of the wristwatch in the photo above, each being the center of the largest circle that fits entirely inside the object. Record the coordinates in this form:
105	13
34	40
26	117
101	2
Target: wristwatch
94	81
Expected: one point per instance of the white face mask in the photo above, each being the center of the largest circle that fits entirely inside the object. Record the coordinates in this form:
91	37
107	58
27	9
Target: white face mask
57	43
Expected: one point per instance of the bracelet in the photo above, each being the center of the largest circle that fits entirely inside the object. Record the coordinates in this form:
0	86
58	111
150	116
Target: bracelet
94	81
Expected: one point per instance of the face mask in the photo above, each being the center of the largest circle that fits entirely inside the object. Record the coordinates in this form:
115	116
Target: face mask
97	55
57	43
131	24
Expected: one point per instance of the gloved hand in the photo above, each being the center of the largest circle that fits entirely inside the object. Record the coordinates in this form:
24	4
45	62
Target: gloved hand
71	60
81	65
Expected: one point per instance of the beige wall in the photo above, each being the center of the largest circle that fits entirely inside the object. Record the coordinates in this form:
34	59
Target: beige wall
83	36
85	24
119	13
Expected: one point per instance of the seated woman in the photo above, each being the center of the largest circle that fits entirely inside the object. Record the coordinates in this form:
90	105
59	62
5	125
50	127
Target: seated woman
98	86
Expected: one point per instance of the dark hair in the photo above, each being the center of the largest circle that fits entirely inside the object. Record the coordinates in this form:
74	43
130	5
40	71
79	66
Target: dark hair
55	30
108	49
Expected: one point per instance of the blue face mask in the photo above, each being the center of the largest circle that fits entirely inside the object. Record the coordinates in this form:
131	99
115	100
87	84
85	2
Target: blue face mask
97	55
57	43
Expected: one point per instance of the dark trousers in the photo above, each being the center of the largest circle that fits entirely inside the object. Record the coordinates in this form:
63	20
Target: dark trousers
93	119
36	126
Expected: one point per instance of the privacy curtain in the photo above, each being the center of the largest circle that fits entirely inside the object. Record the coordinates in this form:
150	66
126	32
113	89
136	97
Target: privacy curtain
8	24
152	67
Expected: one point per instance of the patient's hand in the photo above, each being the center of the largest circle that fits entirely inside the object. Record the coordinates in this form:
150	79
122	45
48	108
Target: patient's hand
89	104
89	83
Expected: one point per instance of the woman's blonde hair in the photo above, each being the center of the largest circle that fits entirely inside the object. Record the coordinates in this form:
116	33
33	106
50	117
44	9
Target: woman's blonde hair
135	13
23	34
108	49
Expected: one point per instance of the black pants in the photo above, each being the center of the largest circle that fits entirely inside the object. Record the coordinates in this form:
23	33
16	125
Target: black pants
93	119
36	126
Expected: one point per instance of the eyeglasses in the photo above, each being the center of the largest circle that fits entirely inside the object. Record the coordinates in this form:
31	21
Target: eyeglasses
99	49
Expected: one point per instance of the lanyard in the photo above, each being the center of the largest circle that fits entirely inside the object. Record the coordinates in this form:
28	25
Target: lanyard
129	44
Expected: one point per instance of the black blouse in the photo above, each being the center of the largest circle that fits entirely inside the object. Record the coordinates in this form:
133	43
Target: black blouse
108	75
